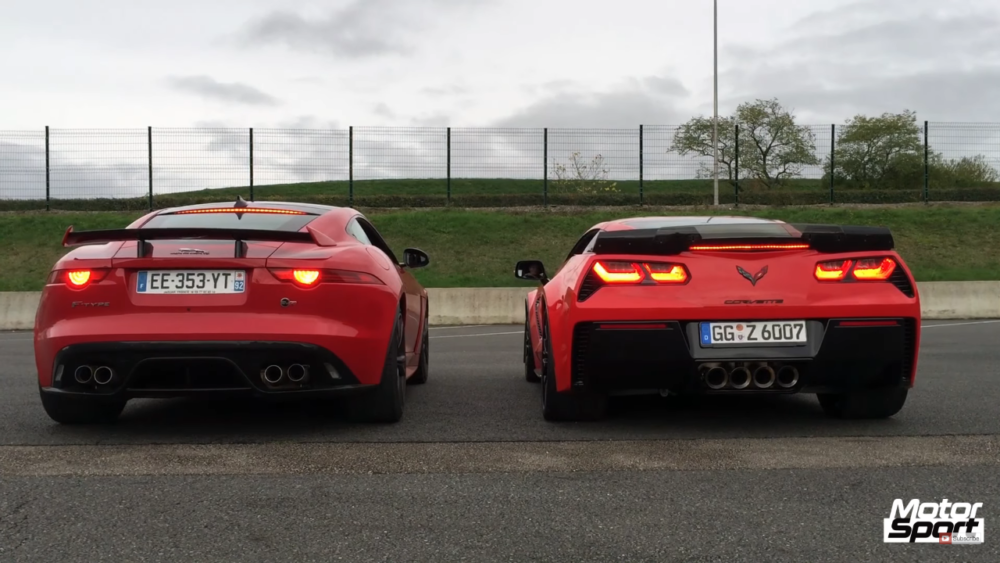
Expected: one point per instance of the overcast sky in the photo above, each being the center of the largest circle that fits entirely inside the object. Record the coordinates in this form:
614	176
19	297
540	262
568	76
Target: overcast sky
556	63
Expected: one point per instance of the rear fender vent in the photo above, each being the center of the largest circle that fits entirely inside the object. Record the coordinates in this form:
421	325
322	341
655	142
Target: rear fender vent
902	282
589	286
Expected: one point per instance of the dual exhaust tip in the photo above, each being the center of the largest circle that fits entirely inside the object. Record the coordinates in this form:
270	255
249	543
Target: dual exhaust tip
275	374
762	377
101	375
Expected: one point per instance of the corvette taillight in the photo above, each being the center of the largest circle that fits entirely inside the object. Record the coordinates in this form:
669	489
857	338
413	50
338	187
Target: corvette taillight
873	269
832	271
861	269
311	278
667	273
619	272
78	278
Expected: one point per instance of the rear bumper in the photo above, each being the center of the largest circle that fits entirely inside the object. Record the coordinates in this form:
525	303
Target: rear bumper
841	355
360	343
177	369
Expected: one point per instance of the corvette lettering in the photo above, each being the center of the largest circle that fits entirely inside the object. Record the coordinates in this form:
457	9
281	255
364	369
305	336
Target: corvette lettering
92	304
754	301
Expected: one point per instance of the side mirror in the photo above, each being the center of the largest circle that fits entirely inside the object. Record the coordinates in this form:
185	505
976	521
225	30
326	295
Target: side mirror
530	270
415	258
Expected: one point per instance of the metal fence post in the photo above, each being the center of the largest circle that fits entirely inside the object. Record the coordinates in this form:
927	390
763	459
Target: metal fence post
736	164
833	152
449	166
927	169
149	146
545	167
251	164
48	199
350	166
640	164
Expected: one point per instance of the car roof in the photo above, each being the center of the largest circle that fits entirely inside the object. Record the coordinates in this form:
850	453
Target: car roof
681	221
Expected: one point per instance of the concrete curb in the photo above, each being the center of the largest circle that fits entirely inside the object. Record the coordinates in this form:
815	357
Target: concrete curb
17	309
505	305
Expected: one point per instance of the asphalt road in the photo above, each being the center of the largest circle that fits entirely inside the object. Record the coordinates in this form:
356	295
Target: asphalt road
474	474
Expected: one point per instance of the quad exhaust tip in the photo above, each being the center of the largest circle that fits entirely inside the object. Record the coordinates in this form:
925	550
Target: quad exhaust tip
788	377
297	373
83	375
764	377
759	375
716	377
740	378
273	374
103	375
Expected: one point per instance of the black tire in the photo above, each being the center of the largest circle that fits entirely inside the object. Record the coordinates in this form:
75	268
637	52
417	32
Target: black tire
81	410
423	368
385	402
565	407
529	356
878	403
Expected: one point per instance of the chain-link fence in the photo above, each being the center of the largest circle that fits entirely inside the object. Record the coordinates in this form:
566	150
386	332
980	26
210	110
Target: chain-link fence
149	167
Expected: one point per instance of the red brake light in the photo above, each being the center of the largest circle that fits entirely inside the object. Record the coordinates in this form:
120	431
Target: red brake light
618	272
312	278
667	273
832	271
750	247
78	279
874	269
306	277
248	210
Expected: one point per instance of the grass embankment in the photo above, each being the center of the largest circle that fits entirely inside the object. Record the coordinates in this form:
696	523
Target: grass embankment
477	248
514	193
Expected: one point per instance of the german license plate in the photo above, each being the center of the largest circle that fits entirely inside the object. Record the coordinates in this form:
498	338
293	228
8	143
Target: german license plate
754	333
188	282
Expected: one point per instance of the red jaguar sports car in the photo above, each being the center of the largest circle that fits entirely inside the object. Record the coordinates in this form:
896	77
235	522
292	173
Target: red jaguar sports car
276	300
723	305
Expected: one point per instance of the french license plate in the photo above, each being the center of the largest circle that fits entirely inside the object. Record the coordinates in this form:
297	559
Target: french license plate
188	282
754	333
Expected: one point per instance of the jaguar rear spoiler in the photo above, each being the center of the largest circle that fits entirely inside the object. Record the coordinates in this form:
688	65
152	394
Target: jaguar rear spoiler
674	240
239	236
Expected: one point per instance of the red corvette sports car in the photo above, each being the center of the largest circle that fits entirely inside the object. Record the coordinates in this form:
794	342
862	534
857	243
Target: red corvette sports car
724	305
262	299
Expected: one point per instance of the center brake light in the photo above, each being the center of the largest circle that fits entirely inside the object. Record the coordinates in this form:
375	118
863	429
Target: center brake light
748	247
247	210
619	272
307	278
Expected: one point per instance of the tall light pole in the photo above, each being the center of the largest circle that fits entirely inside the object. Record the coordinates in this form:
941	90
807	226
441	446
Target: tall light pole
715	122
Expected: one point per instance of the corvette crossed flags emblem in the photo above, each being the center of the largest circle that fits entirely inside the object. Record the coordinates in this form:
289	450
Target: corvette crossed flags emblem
752	278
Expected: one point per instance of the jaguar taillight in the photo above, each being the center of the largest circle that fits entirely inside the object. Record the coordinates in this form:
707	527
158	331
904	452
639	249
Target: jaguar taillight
308	278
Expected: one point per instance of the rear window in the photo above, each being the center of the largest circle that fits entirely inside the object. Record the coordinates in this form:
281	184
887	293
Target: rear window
256	221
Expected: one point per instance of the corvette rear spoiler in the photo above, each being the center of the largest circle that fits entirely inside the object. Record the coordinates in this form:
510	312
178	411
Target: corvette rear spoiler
240	236
674	240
